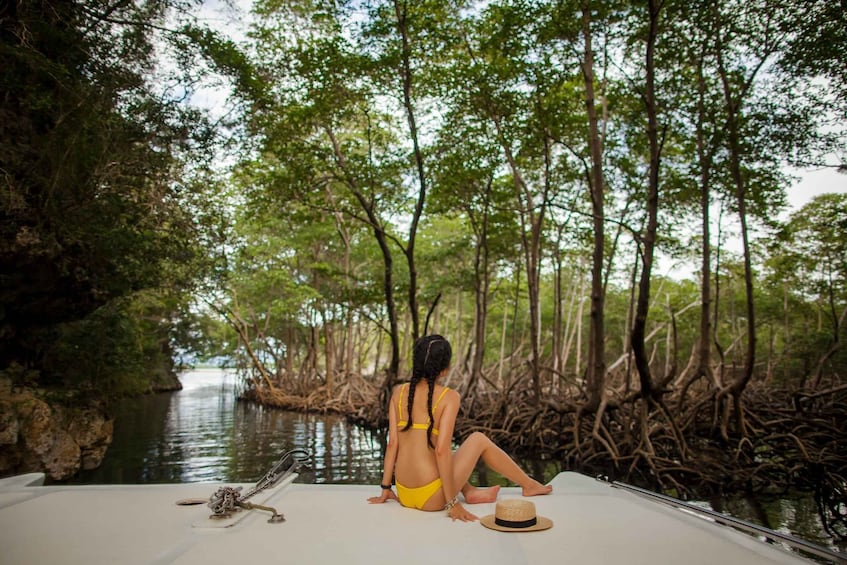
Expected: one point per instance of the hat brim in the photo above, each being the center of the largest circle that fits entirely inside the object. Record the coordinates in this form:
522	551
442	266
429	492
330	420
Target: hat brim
542	523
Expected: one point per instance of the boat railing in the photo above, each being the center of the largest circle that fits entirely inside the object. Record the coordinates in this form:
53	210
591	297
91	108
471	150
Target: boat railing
737	523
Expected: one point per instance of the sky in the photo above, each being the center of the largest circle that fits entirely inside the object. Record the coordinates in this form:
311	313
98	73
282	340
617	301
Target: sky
814	182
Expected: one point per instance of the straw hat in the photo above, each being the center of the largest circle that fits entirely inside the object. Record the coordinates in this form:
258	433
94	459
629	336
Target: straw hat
514	515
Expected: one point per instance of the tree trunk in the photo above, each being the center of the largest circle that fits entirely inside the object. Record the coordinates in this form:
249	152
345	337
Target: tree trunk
573	326
596	374
240	326
558	303
388	268
400	11
531	226
503	345
347	338
481	288
649	237
704	347
733	137
330	356
733	103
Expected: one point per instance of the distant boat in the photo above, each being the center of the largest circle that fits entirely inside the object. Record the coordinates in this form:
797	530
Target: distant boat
593	522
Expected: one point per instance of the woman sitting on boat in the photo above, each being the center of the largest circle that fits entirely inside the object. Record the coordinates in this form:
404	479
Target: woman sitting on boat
421	418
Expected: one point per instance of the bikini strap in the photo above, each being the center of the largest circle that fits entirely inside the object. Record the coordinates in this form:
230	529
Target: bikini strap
440	396
400	403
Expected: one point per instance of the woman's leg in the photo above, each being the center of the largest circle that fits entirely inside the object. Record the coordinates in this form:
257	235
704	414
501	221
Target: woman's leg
479	446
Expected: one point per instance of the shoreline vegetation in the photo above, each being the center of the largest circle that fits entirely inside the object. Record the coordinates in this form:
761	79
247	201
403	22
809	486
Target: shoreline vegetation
683	443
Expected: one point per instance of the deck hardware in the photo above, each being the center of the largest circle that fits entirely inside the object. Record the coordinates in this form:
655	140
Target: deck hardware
227	500
737	523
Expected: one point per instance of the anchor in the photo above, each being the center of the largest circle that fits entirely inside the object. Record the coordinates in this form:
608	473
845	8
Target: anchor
228	500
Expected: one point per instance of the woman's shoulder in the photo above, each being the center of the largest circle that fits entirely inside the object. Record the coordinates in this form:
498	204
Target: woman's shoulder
449	393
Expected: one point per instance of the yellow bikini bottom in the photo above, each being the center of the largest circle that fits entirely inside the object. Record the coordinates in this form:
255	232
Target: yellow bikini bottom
417	497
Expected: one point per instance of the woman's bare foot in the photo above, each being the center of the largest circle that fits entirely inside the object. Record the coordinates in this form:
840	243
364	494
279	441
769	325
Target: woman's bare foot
474	495
535	489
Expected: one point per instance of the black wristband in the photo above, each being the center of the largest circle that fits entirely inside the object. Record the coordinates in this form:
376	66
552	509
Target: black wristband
386	487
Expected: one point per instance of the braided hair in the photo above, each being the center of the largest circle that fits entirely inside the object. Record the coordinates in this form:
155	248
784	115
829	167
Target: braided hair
431	354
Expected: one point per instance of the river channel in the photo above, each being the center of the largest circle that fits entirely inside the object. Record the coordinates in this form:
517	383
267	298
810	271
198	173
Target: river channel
204	434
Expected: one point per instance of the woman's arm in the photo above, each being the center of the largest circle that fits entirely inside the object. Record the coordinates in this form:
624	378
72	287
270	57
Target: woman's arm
390	453
444	457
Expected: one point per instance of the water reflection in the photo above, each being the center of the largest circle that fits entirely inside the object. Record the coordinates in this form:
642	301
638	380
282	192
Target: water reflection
203	434
797	515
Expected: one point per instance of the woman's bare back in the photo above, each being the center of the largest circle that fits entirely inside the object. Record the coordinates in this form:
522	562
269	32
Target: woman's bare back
416	465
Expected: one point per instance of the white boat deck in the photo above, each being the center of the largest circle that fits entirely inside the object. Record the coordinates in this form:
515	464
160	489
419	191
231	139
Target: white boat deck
141	524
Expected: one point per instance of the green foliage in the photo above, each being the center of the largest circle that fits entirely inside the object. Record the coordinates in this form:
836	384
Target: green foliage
499	91
818	45
225	56
111	215
813	248
103	206
806	279
121	348
112	218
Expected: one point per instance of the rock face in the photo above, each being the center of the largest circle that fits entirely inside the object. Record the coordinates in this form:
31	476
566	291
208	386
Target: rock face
165	382
48	437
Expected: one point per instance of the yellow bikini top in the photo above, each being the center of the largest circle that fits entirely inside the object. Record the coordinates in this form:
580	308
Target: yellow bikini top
402	423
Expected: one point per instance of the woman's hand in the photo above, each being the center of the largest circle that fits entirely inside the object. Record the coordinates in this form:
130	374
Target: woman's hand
458	512
387	494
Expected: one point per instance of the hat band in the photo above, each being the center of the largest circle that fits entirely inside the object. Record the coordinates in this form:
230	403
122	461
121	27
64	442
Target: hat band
516	524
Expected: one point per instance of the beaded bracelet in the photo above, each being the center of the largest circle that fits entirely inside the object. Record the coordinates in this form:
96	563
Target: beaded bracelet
449	506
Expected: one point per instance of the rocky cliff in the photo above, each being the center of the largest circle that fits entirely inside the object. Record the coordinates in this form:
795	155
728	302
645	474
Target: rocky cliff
38	435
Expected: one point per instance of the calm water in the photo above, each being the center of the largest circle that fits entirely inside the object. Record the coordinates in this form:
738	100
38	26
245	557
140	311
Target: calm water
202	434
